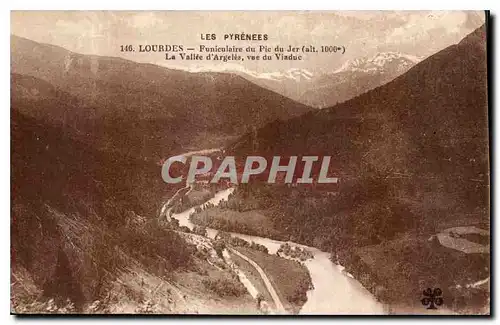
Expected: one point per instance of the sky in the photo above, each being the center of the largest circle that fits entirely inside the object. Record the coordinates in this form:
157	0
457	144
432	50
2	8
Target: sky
362	33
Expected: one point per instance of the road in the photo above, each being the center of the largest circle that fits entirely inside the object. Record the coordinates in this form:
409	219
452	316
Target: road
280	309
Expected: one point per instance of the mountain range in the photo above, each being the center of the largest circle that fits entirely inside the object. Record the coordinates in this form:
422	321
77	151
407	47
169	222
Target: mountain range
356	77
166	108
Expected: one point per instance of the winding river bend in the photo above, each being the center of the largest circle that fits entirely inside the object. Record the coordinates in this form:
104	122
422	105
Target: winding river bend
334	291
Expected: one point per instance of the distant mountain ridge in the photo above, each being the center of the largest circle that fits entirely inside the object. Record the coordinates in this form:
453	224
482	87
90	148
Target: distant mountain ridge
114	90
380	62
353	78
357	76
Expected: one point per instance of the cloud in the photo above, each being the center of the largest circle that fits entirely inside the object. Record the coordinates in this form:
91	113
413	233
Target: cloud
419	27
145	20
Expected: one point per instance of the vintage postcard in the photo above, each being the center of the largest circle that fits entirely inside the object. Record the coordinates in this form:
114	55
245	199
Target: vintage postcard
250	162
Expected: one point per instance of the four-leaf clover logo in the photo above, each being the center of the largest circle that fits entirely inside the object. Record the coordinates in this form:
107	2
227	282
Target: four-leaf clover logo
432	298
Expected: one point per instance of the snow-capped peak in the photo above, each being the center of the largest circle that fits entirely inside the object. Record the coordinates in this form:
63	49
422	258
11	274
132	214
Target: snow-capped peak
381	62
296	74
293	73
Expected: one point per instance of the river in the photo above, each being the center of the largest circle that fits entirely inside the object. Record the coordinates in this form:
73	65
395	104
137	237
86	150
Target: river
334	291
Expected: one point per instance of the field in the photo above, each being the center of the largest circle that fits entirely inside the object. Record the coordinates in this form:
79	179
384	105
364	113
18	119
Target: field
290	279
407	265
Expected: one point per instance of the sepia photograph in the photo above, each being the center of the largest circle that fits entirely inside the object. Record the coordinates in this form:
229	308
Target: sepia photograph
250	163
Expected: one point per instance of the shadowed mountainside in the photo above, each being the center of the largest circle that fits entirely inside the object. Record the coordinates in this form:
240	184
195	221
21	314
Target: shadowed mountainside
151	100
76	214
